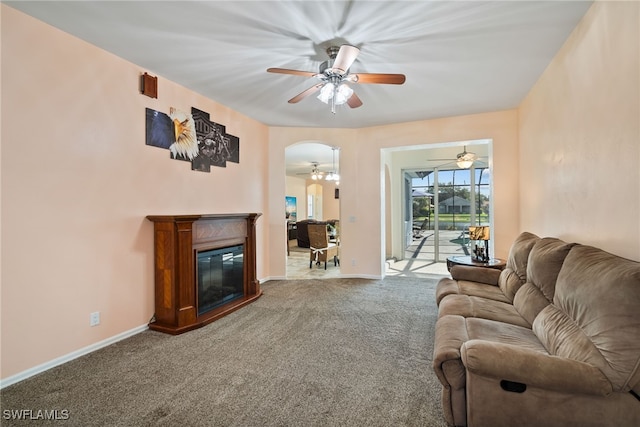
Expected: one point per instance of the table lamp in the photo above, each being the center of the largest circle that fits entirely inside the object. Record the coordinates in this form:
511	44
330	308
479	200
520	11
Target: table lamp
480	233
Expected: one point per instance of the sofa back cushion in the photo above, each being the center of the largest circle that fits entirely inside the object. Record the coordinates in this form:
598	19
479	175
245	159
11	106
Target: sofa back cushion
595	315
545	260
515	273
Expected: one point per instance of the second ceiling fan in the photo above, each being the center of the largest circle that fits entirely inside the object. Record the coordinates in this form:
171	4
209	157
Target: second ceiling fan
463	160
335	78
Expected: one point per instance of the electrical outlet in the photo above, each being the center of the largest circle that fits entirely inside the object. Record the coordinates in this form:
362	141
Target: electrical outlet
94	318
353	262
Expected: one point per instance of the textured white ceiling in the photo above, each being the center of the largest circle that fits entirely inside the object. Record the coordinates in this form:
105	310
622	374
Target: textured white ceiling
459	57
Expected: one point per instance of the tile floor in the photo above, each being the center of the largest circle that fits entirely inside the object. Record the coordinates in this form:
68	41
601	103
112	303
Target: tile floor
298	266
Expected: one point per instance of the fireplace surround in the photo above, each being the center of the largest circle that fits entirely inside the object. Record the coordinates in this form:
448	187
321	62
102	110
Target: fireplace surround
205	268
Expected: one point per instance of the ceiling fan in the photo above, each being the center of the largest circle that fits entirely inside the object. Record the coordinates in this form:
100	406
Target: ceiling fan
463	160
315	173
335	77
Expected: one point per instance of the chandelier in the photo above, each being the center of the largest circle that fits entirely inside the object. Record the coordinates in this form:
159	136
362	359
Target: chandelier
333	174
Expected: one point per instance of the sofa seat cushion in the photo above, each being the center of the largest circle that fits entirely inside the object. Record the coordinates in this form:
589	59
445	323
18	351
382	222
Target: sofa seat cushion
448	286
472	306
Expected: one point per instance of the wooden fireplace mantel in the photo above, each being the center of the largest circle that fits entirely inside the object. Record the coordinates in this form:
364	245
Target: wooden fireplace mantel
177	239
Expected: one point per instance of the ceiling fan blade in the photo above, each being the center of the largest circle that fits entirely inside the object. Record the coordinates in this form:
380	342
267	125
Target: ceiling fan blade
390	79
346	55
354	101
294	72
475	159
306	93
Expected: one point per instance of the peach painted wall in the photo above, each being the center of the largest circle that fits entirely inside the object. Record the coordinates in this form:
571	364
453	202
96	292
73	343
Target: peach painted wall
78	181
330	205
580	136
362	177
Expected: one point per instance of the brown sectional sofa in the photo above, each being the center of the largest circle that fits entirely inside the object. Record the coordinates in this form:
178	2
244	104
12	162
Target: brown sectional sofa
553	340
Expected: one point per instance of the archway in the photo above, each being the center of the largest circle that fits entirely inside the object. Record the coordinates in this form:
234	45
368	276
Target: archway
312	193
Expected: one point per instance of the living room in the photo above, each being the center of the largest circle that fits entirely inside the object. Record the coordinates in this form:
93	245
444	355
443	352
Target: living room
563	160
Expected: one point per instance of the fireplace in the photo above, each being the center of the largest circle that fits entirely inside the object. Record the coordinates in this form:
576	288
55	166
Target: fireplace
220	277
205	268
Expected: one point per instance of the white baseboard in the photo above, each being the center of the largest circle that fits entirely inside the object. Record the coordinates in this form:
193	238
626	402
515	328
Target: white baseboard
68	357
269	278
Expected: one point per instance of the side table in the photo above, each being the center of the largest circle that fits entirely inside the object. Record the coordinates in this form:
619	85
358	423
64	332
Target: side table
496	263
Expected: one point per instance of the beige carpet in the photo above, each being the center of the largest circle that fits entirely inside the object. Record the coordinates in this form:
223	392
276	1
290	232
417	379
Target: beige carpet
341	352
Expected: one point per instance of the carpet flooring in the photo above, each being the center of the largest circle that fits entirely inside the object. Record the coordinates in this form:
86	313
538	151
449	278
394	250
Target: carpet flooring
340	352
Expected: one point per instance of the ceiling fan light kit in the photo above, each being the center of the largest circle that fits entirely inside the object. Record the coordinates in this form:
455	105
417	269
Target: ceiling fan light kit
334	94
465	159
334	76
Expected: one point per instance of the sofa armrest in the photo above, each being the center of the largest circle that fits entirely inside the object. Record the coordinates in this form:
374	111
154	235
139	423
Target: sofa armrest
513	363
488	276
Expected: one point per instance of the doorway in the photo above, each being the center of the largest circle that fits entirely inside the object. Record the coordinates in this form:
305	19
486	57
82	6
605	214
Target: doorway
420	221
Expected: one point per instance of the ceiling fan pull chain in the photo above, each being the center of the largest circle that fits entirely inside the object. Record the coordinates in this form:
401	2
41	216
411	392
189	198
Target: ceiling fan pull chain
333	100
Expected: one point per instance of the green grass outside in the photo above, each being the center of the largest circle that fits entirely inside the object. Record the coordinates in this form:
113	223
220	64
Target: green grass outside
484	218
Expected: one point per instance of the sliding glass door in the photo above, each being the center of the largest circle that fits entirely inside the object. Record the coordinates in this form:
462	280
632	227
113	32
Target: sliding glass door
444	203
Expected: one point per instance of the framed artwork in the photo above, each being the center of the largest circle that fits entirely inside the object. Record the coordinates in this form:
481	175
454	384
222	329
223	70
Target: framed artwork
159	129
290	208
217	147
192	137
234	149
174	131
